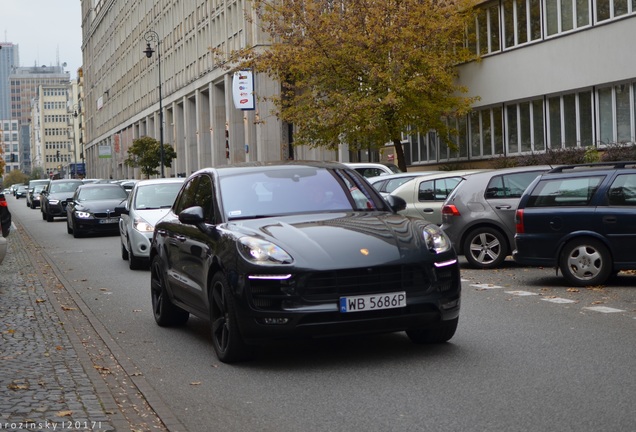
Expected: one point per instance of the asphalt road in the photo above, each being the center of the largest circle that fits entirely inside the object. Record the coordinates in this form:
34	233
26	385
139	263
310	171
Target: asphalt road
530	354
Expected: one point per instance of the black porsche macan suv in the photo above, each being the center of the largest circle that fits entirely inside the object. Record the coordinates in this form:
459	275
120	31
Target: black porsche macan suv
279	250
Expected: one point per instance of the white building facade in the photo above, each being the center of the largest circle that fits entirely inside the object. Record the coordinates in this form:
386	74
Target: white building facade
52	139
555	74
9	141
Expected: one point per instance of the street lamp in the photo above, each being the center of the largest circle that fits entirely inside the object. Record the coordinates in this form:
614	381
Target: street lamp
76	112
152	35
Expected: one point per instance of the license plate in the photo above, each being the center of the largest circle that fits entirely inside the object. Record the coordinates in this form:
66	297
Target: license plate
108	220
373	302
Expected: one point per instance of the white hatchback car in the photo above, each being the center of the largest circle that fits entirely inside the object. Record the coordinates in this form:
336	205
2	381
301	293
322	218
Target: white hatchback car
148	201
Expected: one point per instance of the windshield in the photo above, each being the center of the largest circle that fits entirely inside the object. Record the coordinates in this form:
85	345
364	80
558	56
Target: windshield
64	187
156	196
102	193
295	189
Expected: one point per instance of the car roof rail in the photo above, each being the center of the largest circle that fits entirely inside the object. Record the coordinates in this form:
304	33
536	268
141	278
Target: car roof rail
594	165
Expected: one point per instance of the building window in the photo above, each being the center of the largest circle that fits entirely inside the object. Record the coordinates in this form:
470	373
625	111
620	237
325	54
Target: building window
616	121
608	9
522	21
565	15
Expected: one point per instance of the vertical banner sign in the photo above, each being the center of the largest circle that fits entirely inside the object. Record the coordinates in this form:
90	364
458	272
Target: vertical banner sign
243	90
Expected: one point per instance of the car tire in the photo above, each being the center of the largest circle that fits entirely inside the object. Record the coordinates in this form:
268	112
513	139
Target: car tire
134	263
76	231
435	335
49	218
585	261
485	248
226	336
124	252
165	312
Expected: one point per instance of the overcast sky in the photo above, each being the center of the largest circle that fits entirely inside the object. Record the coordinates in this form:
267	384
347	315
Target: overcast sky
46	31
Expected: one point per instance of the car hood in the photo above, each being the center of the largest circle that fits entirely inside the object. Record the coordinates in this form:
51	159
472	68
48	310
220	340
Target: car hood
151	216
99	206
341	240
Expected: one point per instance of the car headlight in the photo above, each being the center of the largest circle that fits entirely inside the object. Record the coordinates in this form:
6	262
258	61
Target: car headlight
435	239
262	252
141	225
54	202
82	214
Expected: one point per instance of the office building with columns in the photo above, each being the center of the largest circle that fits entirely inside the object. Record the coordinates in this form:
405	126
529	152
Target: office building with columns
122	87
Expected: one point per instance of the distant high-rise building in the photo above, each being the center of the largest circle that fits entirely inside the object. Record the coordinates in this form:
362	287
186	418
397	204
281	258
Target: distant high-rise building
24	84
9	60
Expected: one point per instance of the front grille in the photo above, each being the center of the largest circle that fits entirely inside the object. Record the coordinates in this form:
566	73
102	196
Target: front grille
328	286
102	215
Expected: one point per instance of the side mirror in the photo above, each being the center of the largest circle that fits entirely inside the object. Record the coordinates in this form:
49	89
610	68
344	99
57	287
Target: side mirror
192	216
122	209
396	203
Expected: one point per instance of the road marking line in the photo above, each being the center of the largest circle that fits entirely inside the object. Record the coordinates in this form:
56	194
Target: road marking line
603	309
558	300
521	293
485	286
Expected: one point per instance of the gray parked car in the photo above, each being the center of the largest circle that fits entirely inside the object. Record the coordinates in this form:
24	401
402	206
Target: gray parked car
479	215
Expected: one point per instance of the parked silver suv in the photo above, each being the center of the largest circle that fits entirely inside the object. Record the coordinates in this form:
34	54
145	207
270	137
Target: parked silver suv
479	215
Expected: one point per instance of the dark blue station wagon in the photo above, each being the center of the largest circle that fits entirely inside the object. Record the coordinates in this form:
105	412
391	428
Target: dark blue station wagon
581	219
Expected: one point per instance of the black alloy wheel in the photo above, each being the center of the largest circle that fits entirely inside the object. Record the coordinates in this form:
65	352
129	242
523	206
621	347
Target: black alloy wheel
226	338
165	312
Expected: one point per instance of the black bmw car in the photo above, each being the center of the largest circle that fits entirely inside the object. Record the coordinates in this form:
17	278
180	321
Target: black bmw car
91	210
279	250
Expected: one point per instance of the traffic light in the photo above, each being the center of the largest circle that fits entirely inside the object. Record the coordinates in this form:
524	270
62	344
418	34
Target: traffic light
58	156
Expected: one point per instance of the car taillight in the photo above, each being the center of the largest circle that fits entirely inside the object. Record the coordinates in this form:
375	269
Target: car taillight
3	201
519	222
450	210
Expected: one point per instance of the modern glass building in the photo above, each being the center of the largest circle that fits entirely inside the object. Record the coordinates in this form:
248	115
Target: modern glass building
9	59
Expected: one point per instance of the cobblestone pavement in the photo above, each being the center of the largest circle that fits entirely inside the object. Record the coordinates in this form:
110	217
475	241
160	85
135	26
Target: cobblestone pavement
57	372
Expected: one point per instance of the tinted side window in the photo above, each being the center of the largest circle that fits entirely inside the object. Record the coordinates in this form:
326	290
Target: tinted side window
187	196
576	191
510	185
203	197
622	192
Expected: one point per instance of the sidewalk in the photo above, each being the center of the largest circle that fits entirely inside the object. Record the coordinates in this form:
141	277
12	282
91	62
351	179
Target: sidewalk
56	371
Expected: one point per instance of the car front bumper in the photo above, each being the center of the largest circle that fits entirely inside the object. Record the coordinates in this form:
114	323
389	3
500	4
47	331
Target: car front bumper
93	225
140	243
429	305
